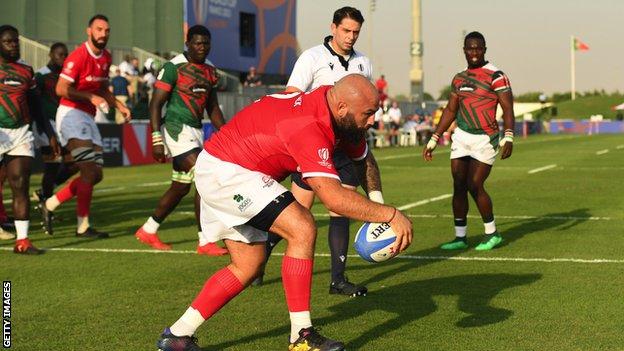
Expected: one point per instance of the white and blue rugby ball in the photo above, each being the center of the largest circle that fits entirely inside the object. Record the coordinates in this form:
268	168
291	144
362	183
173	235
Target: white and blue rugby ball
373	241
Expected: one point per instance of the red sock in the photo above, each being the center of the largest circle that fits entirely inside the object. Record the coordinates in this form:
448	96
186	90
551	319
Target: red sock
84	192
297	281
218	290
68	191
3	215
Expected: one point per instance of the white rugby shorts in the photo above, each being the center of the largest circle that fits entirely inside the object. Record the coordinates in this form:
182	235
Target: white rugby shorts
16	142
476	146
231	195
72	123
189	138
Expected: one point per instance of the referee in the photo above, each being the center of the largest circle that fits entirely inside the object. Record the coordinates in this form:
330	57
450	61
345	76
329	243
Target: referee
324	65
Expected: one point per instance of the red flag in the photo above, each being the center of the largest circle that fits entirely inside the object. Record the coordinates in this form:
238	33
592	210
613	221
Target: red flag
578	45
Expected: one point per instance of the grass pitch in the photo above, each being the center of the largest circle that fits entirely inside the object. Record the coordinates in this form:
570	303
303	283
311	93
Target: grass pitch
554	284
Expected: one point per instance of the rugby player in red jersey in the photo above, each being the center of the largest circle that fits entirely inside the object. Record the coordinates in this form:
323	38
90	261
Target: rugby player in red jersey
83	87
19	100
238	174
476	92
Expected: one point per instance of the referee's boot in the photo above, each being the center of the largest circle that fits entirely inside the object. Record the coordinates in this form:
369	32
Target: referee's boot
310	340
170	342
345	287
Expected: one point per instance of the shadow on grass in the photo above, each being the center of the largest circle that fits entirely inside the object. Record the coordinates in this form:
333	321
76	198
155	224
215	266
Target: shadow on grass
414	300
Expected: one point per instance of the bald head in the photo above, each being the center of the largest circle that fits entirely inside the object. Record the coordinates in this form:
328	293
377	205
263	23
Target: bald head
353	102
356	88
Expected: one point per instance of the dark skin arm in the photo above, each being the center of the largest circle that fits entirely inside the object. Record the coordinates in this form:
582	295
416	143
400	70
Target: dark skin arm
43	124
214	111
155	110
448	116
505	99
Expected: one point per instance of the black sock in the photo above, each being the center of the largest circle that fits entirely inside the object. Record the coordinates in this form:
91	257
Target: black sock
338	245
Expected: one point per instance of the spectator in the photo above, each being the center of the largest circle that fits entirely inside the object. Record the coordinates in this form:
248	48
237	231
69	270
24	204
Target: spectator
253	78
424	129
394	113
120	87
125	67
382	88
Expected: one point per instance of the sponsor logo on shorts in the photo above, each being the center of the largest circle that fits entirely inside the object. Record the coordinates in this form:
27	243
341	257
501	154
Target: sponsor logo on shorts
268	181
324	156
243	202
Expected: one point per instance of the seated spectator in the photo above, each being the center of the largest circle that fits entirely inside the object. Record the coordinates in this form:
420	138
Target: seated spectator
253	78
120	87
394	113
125	67
424	129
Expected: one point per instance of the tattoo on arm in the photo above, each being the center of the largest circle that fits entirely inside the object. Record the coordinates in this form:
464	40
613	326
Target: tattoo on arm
368	172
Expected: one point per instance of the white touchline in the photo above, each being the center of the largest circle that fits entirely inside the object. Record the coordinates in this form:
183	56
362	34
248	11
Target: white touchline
602	152
535	170
562	218
402	257
423	202
619	147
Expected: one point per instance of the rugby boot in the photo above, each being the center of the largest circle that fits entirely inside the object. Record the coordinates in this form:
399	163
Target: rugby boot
310	340
456	244
92	233
211	249
25	247
47	216
345	287
151	239
170	342
489	242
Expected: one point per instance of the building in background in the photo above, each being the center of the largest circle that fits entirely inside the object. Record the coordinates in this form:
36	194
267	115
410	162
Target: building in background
245	33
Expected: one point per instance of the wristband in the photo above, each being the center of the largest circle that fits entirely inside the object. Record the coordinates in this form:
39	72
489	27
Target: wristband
376	196
157	138
393	214
507	138
433	142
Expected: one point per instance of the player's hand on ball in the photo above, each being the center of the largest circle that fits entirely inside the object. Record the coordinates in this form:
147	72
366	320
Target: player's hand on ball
431	145
402	226
158	152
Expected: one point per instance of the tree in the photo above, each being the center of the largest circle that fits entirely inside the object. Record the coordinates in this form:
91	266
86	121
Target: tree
445	93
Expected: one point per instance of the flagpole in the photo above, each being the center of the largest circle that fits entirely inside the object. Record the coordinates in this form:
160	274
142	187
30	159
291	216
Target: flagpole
572	68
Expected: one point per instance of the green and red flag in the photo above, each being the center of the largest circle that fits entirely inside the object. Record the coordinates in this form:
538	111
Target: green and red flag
578	45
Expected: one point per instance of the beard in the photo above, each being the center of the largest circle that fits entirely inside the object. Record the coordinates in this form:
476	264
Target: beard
99	44
348	130
10	57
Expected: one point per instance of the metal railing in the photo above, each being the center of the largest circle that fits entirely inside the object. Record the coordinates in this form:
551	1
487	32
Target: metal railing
34	53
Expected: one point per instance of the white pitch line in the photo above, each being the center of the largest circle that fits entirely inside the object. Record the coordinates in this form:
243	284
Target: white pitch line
620	147
424	202
602	152
535	170
562	218
402	257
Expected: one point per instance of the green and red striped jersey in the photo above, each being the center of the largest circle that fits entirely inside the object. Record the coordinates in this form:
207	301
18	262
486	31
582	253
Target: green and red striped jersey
190	86
16	79
46	78
477	90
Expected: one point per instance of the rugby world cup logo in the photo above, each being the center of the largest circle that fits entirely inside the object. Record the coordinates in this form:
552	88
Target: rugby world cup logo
323	154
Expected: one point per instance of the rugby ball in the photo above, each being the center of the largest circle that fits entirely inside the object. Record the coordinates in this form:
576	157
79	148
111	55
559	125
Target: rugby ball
373	241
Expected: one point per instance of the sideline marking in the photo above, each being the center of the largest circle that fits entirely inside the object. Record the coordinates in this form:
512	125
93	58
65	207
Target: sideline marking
619	147
602	152
535	170
561	218
424	202
402	257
